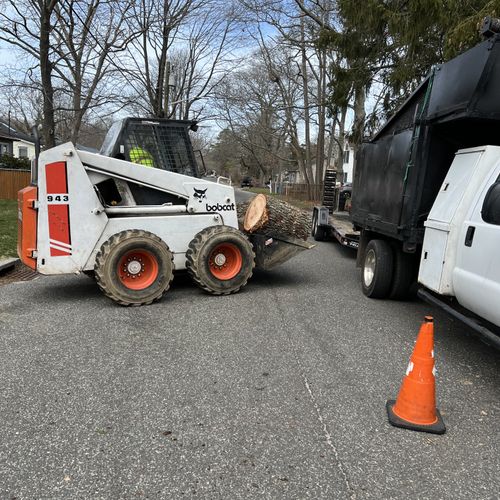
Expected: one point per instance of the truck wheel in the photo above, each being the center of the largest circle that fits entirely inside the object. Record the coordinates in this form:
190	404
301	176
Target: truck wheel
220	259
376	273
404	275
318	233
134	268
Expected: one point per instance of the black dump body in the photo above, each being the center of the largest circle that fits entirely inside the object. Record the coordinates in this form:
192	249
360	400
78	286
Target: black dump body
166	143
399	172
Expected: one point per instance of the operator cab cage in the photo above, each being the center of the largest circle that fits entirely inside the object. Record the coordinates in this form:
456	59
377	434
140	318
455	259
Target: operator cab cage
165	142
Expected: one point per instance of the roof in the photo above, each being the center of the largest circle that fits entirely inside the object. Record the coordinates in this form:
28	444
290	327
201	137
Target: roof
12	133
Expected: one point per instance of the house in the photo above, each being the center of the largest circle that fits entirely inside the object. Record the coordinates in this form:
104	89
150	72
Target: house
15	143
347	164
293	175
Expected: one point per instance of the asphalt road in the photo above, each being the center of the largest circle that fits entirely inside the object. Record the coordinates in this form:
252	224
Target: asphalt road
276	392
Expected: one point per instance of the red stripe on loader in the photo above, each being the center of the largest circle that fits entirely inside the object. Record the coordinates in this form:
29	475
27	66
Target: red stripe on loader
59	230
55	174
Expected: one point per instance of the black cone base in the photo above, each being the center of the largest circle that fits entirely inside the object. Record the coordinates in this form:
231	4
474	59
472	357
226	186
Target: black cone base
437	428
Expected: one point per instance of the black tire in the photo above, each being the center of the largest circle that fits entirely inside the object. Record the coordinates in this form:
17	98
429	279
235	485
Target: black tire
376	272
115	274
404	275
90	274
317	232
342	200
236	264
314	223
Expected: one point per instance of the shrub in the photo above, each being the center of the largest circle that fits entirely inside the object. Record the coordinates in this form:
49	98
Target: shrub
9	161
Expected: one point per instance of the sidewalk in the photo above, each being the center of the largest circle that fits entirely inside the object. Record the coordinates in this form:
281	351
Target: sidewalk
7	263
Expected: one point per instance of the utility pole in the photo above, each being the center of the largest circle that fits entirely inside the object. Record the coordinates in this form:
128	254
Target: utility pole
166	90
169	86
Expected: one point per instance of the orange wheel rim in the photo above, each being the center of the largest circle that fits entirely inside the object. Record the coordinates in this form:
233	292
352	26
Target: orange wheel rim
225	261
138	269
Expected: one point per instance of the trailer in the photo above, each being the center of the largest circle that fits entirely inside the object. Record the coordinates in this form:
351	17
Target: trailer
337	225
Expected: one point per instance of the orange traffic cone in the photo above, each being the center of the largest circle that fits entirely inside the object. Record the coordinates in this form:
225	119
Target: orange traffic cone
415	407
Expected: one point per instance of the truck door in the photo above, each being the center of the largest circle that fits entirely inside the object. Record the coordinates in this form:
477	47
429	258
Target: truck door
476	277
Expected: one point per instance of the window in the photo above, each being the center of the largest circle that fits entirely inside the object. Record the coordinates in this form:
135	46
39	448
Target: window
491	205
23	152
346	156
344	180
160	145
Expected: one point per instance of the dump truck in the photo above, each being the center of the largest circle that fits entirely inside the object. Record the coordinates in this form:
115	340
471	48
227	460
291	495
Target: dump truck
426	193
135	213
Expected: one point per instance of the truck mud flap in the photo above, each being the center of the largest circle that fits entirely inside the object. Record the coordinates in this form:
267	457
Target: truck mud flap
271	251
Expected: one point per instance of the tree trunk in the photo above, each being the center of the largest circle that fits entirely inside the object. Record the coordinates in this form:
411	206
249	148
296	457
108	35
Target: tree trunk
359	120
161	84
273	217
308	174
78	112
341	145
48	124
320	146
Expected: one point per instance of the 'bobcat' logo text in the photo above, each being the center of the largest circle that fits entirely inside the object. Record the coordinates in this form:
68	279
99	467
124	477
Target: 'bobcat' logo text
220	208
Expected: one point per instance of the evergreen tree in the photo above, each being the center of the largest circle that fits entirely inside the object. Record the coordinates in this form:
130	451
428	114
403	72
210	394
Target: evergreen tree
388	46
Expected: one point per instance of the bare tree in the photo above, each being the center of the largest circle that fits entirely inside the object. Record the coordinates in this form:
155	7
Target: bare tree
182	57
293	55
248	104
23	103
146	66
89	35
26	25
73	46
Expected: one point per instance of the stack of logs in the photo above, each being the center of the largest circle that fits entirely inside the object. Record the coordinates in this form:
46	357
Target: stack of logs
273	217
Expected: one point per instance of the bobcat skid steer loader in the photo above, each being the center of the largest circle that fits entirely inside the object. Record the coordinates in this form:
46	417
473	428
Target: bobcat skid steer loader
135	213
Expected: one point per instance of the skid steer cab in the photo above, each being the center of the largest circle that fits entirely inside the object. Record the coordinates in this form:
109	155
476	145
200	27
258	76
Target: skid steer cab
130	225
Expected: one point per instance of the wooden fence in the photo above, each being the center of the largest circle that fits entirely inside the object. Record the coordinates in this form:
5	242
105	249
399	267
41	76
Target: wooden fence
11	181
301	192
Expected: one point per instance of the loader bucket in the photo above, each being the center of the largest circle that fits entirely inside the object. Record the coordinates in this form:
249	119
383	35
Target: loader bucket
273	251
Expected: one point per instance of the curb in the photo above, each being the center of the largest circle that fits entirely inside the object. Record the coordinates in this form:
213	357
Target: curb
7	264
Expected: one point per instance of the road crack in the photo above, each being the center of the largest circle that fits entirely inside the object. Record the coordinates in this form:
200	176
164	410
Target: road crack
328	438
324	426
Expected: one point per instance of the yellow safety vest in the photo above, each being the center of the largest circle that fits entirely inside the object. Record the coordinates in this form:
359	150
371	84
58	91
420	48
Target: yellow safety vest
142	157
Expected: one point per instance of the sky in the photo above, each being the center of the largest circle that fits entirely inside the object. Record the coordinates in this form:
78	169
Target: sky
210	126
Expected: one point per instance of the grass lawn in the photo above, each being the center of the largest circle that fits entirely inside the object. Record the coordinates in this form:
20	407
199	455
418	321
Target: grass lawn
8	228
263	190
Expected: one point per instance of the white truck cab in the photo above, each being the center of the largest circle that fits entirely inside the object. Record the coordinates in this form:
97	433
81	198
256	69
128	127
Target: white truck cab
461	248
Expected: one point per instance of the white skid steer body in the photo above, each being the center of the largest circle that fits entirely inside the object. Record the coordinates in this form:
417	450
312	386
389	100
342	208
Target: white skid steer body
74	220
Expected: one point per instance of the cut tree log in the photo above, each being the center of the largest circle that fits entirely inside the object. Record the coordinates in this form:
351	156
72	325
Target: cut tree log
257	214
274	217
241	210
